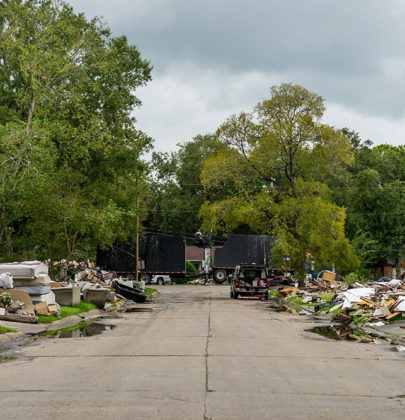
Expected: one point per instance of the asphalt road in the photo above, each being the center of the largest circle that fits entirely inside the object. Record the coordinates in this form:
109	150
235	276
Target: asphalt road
204	356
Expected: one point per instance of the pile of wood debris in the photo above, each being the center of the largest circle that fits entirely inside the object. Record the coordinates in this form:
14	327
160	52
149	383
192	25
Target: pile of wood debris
373	303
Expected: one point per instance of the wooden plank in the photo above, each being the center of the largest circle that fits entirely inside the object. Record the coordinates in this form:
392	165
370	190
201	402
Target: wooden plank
27	319
393	315
370	302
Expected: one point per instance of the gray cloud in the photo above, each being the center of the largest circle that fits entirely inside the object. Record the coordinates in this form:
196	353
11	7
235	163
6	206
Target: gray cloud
349	51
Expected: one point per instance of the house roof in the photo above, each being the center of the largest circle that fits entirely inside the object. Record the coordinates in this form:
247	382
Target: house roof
194	253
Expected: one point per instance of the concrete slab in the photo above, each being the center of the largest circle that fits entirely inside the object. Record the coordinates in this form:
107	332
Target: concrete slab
99	373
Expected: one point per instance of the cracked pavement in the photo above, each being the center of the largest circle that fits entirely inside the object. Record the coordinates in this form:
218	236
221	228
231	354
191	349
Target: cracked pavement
204	356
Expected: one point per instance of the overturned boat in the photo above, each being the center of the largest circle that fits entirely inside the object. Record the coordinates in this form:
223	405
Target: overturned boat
132	293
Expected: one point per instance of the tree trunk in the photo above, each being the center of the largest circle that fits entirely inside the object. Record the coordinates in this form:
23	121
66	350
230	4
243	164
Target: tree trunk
31	110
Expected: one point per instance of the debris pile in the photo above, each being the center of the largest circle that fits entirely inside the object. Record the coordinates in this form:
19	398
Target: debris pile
29	290
96	285
373	304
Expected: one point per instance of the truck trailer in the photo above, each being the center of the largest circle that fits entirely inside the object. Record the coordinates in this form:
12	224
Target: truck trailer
240	249
158	255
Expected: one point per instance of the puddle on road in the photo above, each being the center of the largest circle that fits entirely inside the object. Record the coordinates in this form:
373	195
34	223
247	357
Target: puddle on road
339	332
81	330
12	350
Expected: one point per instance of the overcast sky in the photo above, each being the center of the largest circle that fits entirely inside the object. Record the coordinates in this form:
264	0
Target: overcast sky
215	58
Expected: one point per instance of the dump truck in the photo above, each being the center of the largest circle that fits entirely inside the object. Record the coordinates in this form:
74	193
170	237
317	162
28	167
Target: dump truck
159	255
240	249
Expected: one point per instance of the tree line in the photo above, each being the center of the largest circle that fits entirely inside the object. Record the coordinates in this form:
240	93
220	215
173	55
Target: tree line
73	173
279	169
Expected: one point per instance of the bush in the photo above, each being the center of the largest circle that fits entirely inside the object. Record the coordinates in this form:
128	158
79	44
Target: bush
362	276
190	269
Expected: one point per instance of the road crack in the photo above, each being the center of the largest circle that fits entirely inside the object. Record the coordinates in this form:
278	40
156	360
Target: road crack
207	389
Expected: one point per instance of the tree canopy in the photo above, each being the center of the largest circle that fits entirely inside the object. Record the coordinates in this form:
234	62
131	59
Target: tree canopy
176	191
68	137
274	167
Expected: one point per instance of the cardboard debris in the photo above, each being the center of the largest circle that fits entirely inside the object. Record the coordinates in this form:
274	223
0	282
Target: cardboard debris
44	309
288	290
23	297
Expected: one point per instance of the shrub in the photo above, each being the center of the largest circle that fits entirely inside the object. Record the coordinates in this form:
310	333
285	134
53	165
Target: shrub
190	269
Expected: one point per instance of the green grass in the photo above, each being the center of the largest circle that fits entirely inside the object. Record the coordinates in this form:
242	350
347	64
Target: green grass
337	311
274	293
67	311
6	329
358	319
148	292
299	301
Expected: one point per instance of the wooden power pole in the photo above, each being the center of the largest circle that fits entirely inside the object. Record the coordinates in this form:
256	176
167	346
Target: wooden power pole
137	236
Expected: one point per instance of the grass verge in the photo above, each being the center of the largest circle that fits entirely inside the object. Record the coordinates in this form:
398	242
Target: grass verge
149	292
6	330
67	311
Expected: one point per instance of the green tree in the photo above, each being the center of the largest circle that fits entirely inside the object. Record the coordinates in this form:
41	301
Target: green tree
70	80
274	169
177	190
375	199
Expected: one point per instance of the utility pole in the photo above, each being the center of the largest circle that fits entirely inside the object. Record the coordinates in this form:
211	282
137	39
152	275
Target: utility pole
137	235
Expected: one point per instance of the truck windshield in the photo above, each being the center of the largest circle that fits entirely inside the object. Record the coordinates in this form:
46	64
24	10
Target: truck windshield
251	274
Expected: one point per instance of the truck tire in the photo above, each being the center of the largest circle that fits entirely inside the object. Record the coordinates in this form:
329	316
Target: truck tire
220	276
146	278
235	295
160	281
231	294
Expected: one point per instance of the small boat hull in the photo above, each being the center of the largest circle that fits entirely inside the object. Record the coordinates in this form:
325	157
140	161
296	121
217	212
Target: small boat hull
131	293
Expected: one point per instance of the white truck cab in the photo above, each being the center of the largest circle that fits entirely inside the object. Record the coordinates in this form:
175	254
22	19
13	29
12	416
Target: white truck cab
160	279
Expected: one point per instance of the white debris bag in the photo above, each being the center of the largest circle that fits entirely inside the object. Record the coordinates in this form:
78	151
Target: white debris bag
352	296
6	281
394	283
401	306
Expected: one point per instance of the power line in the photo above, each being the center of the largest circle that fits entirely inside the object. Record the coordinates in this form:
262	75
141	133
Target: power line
348	214
380	187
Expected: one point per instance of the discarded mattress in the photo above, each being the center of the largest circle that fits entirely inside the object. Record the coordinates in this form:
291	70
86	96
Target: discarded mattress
40	280
35	290
24	270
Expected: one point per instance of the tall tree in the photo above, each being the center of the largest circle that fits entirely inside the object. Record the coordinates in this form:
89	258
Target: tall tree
274	168
68	85
375	199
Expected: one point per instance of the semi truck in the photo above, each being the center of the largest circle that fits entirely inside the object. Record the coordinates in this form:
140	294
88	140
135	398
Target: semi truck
240	249
159	256
166	255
